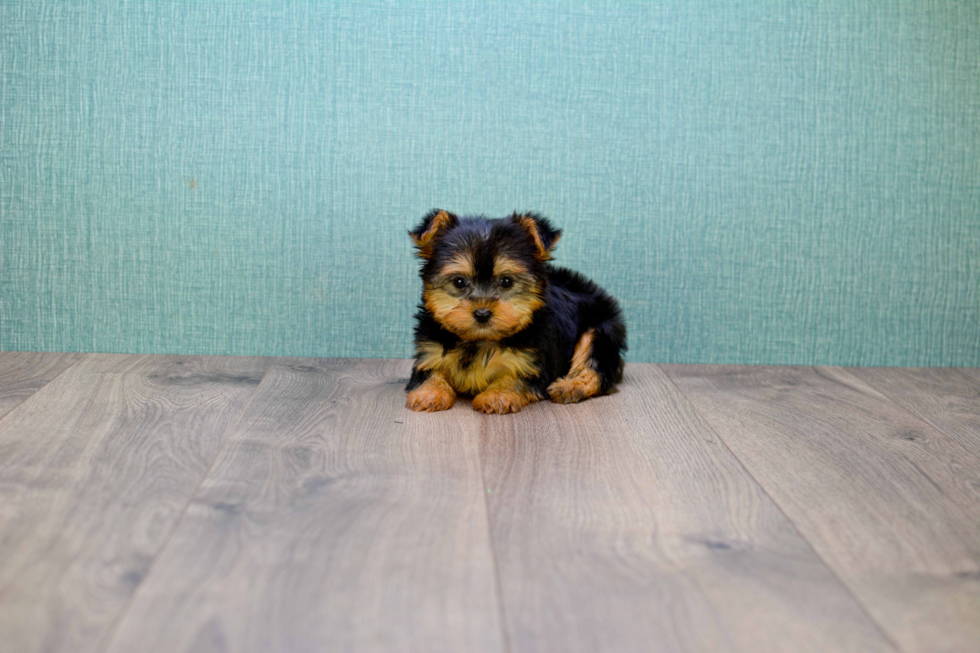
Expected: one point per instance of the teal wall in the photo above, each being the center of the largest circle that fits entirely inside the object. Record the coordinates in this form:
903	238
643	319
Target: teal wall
758	182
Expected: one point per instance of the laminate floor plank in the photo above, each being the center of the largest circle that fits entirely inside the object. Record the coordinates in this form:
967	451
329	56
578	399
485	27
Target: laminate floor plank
889	502
95	469
22	373
624	524
333	520
947	398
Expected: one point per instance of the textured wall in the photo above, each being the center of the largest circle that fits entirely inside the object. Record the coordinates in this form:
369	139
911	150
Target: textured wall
757	181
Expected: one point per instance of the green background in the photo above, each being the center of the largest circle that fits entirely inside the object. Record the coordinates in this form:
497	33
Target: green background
757	182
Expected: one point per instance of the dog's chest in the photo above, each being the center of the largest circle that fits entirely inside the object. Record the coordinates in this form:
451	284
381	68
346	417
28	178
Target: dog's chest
472	366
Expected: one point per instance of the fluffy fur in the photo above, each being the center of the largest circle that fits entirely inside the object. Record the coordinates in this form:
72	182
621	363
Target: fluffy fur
497	321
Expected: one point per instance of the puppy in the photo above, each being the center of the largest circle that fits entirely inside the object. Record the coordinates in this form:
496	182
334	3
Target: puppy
500	323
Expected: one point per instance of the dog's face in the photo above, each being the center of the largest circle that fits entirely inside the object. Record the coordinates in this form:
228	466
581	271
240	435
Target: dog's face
484	278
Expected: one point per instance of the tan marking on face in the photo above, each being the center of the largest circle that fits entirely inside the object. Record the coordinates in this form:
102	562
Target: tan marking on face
515	313
425	241
439	302
460	264
456	315
492	363
504	265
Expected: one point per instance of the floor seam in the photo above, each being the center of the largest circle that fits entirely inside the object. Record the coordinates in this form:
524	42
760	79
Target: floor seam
113	629
45	384
915	415
864	608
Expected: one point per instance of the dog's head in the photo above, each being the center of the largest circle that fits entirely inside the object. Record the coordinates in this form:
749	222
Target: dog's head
484	278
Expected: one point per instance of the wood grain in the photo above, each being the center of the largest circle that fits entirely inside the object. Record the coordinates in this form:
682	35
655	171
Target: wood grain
947	398
334	520
624	524
787	509
95	469
888	501
22	373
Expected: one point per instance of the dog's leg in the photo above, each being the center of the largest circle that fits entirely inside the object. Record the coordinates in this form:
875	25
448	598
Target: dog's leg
433	394
506	395
597	364
582	380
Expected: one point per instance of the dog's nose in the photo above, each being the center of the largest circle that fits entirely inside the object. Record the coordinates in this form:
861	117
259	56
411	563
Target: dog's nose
482	314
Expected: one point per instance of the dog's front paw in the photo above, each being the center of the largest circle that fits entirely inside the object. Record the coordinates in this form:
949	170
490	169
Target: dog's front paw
499	402
430	398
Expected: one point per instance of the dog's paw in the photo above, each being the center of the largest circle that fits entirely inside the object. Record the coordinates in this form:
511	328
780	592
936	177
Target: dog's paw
570	389
499	402
430	399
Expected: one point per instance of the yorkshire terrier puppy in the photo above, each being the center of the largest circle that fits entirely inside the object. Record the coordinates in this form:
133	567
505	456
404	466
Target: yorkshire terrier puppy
500	323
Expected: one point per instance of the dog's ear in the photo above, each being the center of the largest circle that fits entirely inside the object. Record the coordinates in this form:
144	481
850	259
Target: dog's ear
539	230
434	223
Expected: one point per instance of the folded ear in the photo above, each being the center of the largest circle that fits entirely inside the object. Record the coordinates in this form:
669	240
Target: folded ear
434	223
542	234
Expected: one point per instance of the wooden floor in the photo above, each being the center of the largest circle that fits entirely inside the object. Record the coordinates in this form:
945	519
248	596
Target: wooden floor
177	503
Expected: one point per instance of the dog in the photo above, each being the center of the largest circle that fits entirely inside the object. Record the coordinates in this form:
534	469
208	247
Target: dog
500	323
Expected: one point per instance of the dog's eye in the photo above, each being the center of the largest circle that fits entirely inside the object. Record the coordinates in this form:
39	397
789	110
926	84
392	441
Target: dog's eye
459	282
506	282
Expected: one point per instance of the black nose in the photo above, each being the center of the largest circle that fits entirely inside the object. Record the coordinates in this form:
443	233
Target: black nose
482	314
